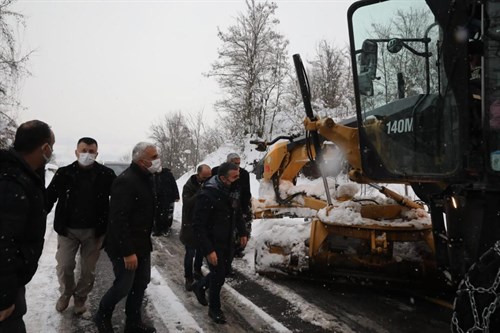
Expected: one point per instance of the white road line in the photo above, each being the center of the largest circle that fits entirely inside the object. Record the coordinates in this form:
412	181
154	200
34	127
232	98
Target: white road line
173	313
249	306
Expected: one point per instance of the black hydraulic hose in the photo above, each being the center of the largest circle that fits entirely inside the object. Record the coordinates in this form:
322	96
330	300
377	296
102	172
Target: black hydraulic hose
306	98
289	138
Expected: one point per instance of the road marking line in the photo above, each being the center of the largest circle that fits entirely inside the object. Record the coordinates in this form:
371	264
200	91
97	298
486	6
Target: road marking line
306	311
173	313
250	306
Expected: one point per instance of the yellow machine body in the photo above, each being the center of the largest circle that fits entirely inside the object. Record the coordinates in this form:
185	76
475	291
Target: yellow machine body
371	244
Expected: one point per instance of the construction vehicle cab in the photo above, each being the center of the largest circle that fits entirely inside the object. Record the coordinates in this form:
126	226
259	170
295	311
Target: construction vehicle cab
428	110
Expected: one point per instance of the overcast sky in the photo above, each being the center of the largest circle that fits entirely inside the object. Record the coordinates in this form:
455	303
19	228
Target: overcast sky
110	69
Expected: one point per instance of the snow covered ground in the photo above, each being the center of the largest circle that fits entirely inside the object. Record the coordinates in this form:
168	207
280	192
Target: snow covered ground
42	291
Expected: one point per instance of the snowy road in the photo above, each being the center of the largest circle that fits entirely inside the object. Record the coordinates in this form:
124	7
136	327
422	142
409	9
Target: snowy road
252	303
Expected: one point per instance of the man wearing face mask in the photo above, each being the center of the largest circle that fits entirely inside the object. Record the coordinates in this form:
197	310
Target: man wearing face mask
82	191
128	241
216	215
22	218
190	193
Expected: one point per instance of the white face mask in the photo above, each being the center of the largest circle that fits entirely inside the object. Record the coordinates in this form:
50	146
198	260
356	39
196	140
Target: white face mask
155	166
47	158
86	159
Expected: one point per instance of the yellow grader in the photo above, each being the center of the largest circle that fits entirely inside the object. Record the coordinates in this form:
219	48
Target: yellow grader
363	248
427	114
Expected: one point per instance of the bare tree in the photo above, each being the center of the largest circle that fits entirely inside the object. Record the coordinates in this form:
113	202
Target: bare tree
7	130
213	138
185	141
196	126
251	69
174	139
410	23
331	82
12	68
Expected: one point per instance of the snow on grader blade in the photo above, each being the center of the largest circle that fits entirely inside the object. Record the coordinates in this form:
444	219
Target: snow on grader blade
370	241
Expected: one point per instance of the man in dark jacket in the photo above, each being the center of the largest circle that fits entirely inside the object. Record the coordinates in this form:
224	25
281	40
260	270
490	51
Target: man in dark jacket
242	188
167	194
242	185
216	216
190	192
82	191
128	240
22	218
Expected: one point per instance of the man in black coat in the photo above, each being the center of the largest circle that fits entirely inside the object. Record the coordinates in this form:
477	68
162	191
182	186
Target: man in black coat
128	239
242	188
167	194
190	193
82	191
242	184
22	218
216	215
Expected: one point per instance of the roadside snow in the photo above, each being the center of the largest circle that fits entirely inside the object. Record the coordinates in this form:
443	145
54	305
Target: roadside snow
42	292
173	313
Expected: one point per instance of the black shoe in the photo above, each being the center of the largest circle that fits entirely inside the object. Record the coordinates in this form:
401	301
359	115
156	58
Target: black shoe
217	316
197	275
199	291
189	284
138	328
103	323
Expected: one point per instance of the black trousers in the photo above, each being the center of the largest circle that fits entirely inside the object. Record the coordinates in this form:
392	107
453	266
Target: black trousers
14	323
216	278
164	217
127	283
192	253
